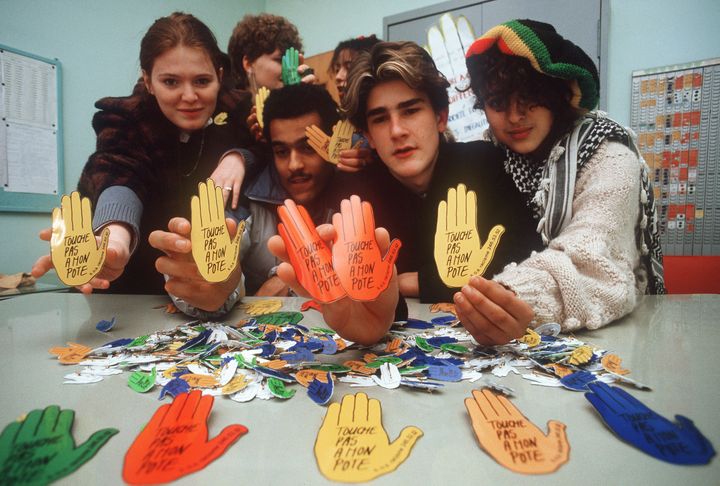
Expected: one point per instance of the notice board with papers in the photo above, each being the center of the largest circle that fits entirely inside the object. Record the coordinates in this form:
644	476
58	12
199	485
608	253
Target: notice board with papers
31	164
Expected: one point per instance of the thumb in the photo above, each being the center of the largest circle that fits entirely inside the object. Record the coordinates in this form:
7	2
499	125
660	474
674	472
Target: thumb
84	452
557	435
104	239
400	449
217	446
392	252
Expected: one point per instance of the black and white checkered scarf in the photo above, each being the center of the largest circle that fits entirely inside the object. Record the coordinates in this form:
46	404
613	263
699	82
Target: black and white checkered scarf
550	186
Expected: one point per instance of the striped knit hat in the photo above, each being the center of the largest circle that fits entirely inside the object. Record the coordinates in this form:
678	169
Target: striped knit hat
548	52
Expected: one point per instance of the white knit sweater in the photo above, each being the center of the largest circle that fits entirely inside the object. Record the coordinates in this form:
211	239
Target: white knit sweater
586	277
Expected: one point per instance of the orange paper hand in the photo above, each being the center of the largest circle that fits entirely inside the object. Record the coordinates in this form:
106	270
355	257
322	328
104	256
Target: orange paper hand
362	270
309	255
72	354
512	440
175	442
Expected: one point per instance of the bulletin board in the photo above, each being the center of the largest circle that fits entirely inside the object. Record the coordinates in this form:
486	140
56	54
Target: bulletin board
675	111
31	164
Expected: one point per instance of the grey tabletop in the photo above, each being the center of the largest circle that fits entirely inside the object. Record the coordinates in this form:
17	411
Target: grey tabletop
669	343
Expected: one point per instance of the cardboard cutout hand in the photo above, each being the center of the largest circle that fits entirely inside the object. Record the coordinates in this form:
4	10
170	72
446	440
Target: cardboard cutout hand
329	148
215	254
319	141
290	63
677	442
341	139
459	252
260	98
75	252
352	445
512	440
175	441
357	260
41	448
309	255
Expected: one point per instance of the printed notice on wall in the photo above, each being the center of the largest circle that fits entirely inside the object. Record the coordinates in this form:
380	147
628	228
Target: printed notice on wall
28	132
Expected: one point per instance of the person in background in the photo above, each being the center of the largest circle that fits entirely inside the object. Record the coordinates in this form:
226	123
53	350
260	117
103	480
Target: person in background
579	172
345	52
154	147
343	56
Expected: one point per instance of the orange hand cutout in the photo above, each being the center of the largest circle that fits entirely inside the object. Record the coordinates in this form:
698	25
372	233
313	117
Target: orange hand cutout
175	442
362	270
512	440
309	255
74	353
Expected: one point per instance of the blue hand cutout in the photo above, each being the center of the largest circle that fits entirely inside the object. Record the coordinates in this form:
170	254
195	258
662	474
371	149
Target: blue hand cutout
677	442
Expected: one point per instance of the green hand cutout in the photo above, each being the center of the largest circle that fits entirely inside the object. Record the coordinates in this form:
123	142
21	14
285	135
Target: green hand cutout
41	449
290	64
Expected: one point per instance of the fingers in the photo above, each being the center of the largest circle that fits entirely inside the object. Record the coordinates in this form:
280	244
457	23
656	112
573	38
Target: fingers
460	209
180	226
491	313
174	268
235	194
452	220
75	212
169	243
355	158
276	245
45	234
347	410
41	266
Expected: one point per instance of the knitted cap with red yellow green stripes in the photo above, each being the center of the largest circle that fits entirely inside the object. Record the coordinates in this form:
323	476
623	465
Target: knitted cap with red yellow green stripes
548	52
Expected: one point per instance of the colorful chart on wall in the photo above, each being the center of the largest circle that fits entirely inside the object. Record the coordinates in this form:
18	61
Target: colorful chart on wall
674	113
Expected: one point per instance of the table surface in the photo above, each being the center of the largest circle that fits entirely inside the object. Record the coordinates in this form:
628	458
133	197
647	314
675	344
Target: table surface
669	343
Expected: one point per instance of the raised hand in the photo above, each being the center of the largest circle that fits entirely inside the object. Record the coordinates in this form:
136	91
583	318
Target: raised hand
458	251
309	255
215	253
352	445
290	64
75	253
319	141
175	441
357	260
341	140
678	442
330	148
41	449
447	43
511	439
260	98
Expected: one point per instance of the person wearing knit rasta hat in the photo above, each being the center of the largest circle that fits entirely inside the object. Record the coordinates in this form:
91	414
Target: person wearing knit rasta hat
579	172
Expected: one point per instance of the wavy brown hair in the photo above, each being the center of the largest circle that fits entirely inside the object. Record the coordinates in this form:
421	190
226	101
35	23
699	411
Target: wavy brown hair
389	61
179	29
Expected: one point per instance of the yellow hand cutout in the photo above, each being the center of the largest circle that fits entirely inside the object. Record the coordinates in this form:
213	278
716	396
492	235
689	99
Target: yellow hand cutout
329	148
352	445
458	251
318	140
75	252
512	440
260	98
261	307
341	140
215	254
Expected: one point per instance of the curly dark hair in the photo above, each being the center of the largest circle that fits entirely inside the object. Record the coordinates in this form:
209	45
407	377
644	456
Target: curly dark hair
388	61
256	35
294	101
495	77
